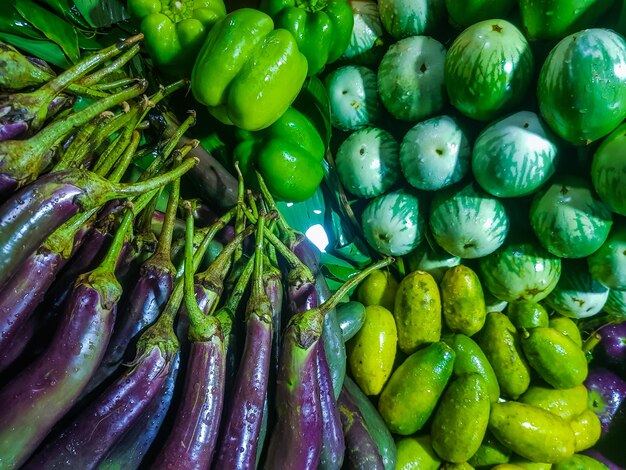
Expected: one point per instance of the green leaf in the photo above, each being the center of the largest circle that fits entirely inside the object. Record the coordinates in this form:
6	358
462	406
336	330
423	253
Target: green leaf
45	50
54	28
68	10
13	23
101	13
89	43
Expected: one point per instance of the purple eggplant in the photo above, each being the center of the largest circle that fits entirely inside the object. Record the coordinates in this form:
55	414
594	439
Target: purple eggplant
612	346
88	438
361	448
129	451
147	298
33	213
309	255
21	161
607	393
333	441
238	446
17	343
191	441
302	296
296	440
42	393
18	123
25	290
12	130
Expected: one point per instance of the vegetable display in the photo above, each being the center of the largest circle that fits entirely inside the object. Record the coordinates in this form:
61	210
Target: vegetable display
312	234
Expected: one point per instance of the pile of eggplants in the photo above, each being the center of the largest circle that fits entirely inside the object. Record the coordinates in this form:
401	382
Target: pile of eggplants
142	330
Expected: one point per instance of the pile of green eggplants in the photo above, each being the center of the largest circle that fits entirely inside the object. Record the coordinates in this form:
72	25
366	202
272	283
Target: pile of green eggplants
133	337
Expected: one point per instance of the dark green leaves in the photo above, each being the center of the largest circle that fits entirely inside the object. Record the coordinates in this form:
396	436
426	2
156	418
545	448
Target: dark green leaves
53	27
45	50
100	13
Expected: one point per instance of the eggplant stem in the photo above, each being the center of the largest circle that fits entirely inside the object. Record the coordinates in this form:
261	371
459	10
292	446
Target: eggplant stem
125	159
214	275
121	83
172	142
271	203
62	239
166	319
240	219
290	256
167	231
167	149
96	77
60	82
347	286
112	153
132	189
80	143
52	134
110	259
201	326
257	286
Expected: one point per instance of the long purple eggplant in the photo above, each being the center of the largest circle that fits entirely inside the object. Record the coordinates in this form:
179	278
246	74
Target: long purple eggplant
238	446
22	161
309	255
26	289
362	451
147	297
302	296
191	442
36	211
129	451
296	440
42	393
333	442
105	420
17	343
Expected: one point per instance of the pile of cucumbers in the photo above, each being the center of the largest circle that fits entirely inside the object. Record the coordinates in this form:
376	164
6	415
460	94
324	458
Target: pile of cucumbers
462	385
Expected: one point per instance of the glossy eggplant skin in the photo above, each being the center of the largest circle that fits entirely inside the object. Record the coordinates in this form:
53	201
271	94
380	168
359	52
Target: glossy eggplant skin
43	392
239	441
197	419
361	450
612	345
105	420
25	291
30	215
333	442
128	453
607	394
296	440
146	300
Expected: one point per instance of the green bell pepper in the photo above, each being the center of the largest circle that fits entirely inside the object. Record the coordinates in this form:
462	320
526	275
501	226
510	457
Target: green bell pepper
174	30
322	28
288	155
247	72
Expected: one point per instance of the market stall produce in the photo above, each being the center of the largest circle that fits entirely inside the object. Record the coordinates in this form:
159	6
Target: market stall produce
333	234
